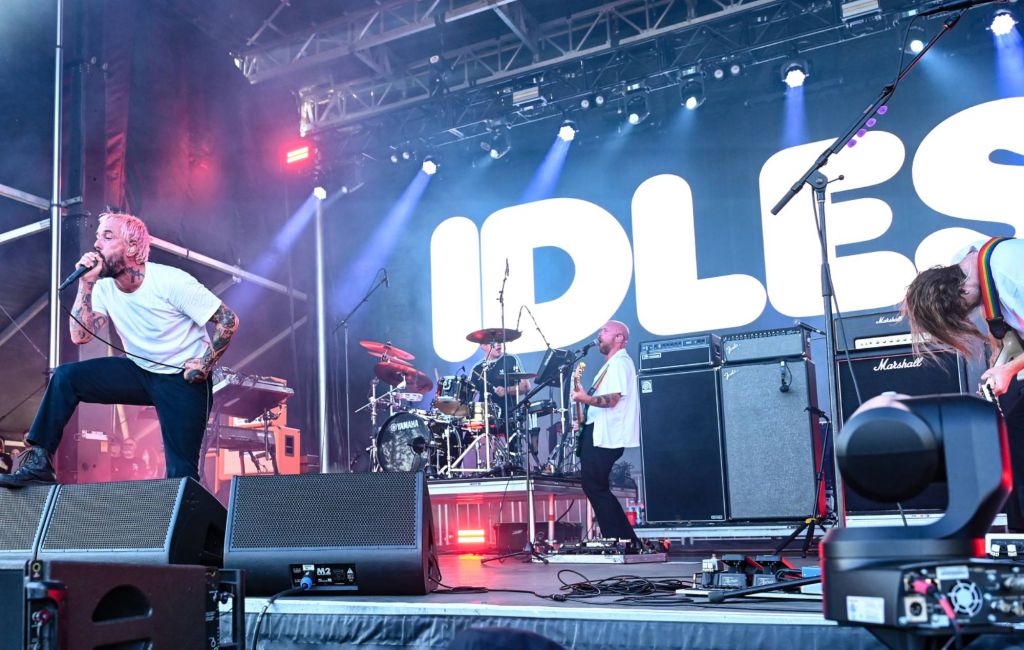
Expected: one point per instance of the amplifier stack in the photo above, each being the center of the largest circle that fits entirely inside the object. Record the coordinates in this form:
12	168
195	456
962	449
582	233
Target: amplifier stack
728	427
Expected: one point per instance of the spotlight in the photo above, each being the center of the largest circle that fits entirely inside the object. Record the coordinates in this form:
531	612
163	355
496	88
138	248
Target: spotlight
719	73
915	40
599	99
916	45
585	103
636	108
499	143
691	93
567	131
319	193
393	158
735	69
429	166
1003	23
794	73
406	154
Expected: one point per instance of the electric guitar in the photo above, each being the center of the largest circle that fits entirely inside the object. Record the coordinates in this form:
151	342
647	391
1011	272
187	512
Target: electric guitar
581	408
1011	350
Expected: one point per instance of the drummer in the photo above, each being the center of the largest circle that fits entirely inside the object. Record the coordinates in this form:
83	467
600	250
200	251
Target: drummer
497	364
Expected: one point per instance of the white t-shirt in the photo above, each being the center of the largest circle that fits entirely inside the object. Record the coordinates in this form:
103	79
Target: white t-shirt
1008	273
618	426
163	320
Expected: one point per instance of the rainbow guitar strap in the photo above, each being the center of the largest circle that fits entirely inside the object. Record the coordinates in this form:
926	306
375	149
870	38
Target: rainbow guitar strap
987	286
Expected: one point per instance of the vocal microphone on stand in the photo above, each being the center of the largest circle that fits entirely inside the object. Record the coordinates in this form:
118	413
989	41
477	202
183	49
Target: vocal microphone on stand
387	280
586	348
811	328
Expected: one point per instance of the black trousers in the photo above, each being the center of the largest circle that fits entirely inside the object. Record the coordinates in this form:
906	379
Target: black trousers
597	465
1015	435
181	407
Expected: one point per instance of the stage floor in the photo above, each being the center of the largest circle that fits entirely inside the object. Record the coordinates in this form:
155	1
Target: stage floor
432	621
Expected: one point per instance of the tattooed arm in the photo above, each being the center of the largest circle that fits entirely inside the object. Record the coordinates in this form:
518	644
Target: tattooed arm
225	324
87	321
604	401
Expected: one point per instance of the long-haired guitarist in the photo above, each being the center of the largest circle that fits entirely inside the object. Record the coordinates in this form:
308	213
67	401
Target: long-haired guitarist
985	282
611	423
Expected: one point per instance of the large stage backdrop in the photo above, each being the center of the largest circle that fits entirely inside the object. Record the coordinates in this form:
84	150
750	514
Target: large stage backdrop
666	225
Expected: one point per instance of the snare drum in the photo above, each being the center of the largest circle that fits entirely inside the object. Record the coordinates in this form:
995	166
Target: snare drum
454	396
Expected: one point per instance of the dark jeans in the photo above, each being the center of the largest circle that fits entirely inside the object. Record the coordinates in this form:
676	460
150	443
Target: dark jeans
1015	437
181	407
597	465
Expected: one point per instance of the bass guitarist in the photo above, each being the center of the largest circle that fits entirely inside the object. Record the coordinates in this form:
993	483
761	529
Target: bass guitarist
944	301
611	423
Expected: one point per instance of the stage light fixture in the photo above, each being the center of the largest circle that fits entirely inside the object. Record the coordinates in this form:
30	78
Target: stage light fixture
916	45
691	93
794	73
393	158
585	103
1003	23
718	73
429	166
735	69
319	193
636	108
406	154
567	131
499	143
599	99
297	155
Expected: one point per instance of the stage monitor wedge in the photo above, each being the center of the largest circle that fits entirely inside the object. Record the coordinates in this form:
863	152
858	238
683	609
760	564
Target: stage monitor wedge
24	511
348	533
164	521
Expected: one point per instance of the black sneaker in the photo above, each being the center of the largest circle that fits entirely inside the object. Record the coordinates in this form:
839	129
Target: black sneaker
35	467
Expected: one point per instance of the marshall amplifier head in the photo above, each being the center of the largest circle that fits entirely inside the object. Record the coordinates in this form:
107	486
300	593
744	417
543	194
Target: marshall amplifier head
869	333
698	351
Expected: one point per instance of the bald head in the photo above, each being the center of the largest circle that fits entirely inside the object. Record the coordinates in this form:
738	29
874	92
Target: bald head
612	337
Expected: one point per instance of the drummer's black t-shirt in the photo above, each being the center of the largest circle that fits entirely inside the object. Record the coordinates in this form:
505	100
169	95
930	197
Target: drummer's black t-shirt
506	363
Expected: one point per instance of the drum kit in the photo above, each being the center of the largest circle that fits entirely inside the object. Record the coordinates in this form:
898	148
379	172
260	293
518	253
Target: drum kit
463	433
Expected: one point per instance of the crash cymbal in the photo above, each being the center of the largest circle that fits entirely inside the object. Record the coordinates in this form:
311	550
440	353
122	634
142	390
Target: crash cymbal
493	335
519	376
386	349
395	373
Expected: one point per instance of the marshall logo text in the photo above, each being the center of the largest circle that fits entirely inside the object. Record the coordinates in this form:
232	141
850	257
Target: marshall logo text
888	364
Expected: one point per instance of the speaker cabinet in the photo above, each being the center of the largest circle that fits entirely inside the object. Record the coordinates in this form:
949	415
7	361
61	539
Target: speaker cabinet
772	449
681	446
348	533
902	372
24	515
168	521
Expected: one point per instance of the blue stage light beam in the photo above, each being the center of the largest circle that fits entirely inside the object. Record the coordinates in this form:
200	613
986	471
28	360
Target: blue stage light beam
375	253
794	130
545	179
1009	63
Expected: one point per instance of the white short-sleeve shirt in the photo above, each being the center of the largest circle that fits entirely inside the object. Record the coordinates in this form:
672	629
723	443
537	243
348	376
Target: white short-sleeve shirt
163	320
618	426
1007	266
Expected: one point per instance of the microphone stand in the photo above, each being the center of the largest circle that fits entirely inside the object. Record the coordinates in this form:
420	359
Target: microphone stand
343	323
818	181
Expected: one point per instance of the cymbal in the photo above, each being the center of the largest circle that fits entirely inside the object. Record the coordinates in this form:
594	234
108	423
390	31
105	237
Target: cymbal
519	376
382	349
395	373
493	335
384	357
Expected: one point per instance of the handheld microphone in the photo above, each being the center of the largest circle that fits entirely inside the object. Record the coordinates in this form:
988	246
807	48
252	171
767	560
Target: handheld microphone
77	273
387	280
784	386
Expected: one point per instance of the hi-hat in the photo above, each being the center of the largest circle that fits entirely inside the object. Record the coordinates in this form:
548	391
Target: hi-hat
395	373
386	349
493	335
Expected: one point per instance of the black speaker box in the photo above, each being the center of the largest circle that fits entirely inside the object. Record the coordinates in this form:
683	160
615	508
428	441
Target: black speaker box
24	512
166	521
681	446
348	533
93	605
902	372
772	447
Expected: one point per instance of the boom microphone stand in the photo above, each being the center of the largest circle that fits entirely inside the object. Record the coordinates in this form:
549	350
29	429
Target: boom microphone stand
343	323
818	181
